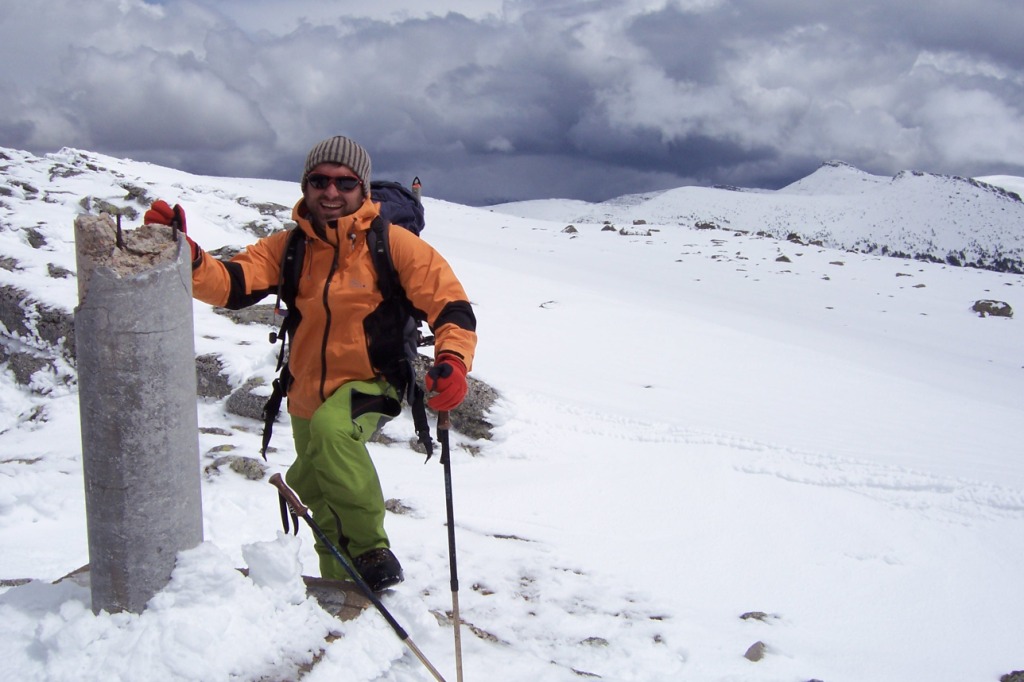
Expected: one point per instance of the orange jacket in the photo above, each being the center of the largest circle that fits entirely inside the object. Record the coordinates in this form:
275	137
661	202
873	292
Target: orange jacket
329	347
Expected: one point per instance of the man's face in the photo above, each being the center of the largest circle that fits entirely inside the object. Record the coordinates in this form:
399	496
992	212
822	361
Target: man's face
325	200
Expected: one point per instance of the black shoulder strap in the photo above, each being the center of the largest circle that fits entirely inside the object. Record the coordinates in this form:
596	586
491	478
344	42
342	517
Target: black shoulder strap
287	291
288	282
378	241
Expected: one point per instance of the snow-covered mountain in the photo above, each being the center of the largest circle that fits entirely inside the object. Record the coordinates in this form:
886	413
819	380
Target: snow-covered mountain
717	455
945	219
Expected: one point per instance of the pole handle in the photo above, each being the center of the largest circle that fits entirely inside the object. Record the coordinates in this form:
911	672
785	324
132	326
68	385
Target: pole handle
444	422
289	495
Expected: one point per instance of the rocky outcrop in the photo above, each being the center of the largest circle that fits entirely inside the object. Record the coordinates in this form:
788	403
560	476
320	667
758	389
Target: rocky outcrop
985	307
35	324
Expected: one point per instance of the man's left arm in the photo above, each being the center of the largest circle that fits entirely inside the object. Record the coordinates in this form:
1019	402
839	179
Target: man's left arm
432	288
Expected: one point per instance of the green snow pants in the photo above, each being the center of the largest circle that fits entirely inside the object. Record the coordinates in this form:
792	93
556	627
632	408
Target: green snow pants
333	474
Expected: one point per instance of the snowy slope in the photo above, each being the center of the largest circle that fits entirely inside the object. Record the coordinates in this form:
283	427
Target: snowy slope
694	425
919	215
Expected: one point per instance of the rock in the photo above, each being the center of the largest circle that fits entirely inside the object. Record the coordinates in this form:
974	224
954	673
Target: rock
58	272
226	252
469	418
250	467
56	328
247	401
595	641
756	652
257	314
340	598
382	438
635	233
23	365
214	431
396	506
35	238
987	307
1015	676
36	323
210	382
756	615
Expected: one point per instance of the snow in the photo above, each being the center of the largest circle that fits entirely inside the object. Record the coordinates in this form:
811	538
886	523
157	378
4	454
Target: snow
1010	183
912	213
689	430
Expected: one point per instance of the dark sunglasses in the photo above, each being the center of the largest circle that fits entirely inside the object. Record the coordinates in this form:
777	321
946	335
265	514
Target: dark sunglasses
345	183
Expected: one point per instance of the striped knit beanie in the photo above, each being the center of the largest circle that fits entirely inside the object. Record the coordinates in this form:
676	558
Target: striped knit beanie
341	150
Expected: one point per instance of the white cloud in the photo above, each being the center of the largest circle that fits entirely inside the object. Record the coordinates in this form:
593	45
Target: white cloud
500	144
275	17
973	126
955	63
177	104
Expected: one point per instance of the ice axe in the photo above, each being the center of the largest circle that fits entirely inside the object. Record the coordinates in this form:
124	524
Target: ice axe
300	510
443	425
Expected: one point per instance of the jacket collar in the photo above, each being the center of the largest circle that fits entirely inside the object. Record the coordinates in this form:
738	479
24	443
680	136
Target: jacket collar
359	221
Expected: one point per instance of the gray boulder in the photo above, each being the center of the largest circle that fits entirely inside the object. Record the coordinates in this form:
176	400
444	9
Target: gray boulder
985	307
210	380
248	401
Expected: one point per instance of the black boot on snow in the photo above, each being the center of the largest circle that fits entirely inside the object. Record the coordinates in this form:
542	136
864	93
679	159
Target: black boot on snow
379	568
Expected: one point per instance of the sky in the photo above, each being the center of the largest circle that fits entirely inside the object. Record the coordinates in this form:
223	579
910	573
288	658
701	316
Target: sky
490	101
688	429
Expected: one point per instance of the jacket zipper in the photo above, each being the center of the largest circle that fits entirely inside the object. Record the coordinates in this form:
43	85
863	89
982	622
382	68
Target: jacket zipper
327	323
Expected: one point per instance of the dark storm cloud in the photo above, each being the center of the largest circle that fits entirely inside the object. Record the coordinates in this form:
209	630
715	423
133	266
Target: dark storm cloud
526	98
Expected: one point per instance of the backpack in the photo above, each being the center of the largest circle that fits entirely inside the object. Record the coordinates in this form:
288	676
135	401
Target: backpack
399	205
393	327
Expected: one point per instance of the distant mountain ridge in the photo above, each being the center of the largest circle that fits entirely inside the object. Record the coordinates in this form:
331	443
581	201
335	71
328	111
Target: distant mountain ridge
938	218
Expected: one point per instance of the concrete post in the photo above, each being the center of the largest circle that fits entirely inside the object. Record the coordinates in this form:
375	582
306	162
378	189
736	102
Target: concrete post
137	392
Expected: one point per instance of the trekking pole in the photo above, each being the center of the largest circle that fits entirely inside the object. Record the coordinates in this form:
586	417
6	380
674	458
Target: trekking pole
299	509
443	425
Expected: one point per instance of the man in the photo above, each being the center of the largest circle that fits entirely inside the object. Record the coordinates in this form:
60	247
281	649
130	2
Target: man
336	398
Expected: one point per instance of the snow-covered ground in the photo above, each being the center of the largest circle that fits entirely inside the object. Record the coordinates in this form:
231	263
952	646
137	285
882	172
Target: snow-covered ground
690	430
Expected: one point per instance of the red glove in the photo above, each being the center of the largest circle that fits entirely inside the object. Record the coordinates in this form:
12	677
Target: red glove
448	378
161	213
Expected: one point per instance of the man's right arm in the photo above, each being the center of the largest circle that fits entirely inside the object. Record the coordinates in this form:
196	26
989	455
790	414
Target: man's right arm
245	279
238	283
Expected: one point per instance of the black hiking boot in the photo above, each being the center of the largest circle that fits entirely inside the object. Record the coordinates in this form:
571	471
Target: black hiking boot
379	568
